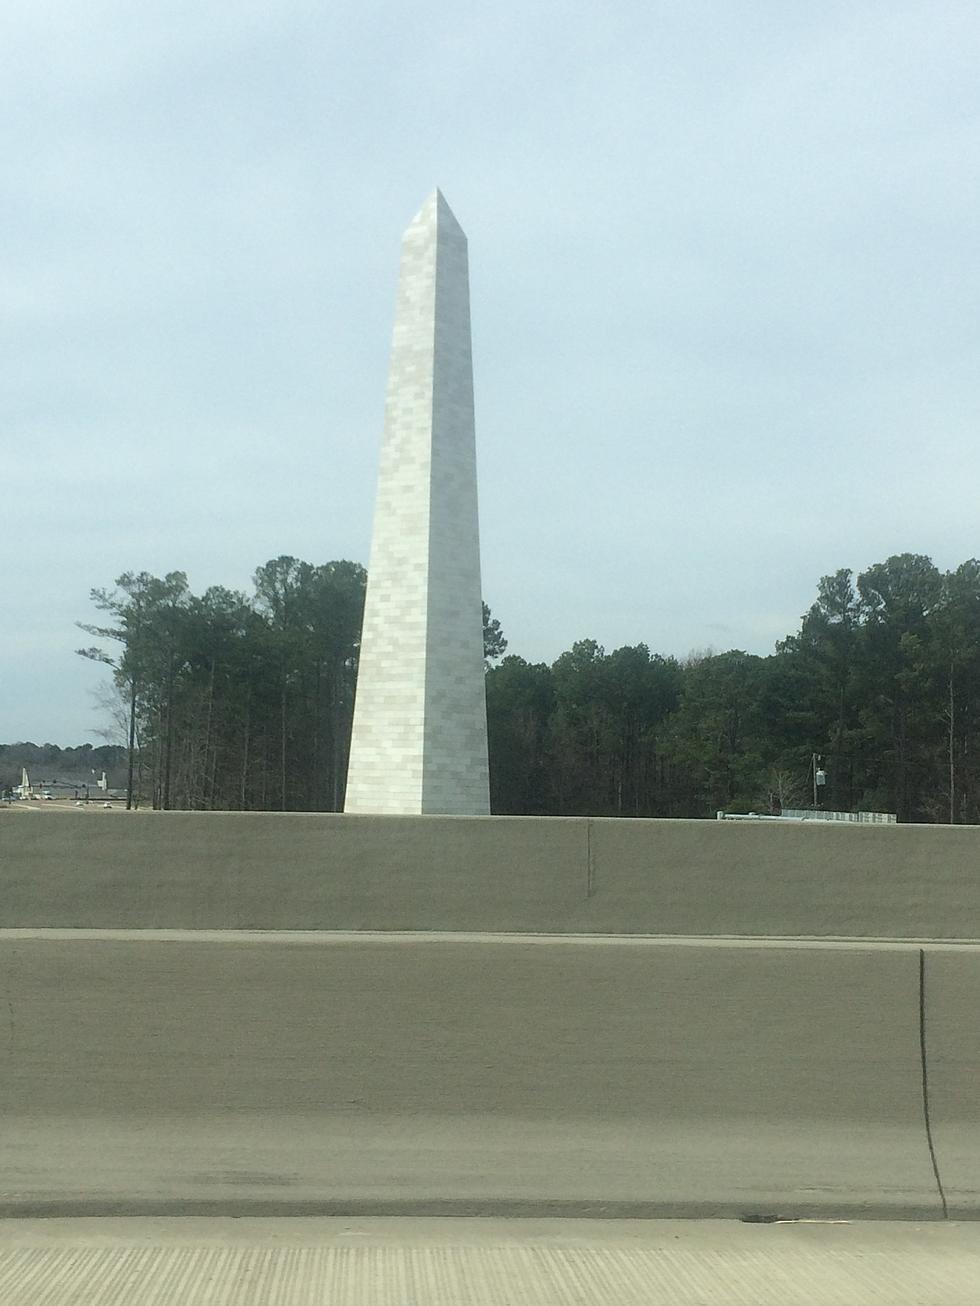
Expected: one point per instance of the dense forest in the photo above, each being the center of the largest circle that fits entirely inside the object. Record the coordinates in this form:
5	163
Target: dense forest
229	701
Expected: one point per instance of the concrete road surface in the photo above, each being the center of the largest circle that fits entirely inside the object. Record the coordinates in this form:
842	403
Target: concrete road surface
460	1262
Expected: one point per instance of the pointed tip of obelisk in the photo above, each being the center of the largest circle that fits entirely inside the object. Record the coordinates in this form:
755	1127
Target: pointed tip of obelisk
436	212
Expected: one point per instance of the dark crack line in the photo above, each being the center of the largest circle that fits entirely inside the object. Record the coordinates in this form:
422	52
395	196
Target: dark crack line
925	1079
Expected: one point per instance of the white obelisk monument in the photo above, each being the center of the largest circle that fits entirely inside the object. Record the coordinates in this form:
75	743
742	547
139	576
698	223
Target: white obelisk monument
419	742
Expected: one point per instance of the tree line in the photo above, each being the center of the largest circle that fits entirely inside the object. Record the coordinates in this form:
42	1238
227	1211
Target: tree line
46	763
228	701
234	702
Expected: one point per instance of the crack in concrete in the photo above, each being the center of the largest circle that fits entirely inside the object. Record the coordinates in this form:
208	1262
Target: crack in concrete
925	1082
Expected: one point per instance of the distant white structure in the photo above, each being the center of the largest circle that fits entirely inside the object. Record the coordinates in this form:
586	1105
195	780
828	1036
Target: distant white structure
811	814
858	818
419	741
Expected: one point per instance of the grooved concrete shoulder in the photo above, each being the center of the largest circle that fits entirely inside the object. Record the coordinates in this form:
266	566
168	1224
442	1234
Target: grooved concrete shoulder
485	1263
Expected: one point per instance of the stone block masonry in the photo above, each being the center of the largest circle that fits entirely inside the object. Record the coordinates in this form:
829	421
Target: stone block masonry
419	742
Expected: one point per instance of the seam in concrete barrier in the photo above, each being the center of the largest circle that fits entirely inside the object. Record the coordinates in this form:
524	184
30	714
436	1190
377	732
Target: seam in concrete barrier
590	861
322	938
925	1080
477	1208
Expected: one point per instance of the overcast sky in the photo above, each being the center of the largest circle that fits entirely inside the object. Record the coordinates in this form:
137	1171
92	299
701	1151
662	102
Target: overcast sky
724	271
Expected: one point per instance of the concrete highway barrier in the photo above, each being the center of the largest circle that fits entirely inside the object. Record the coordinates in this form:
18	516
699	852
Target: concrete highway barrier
287	871
183	1073
271	1013
951	1028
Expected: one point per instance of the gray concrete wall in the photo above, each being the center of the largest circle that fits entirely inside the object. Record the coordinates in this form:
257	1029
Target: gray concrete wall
951	987
297	871
485	1074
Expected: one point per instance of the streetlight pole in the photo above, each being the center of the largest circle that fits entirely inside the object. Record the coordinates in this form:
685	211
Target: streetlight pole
819	777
